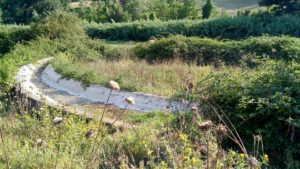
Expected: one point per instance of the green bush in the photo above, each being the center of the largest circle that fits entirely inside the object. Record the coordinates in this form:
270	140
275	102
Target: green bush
206	51
12	34
264	100
222	28
59	25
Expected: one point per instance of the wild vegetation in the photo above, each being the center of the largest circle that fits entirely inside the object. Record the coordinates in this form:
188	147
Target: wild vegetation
222	28
205	51
238	76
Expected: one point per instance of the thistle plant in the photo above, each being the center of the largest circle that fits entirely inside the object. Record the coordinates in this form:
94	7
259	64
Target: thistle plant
113	85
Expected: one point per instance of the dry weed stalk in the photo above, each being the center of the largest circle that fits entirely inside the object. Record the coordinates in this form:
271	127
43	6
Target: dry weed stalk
113	86
4	149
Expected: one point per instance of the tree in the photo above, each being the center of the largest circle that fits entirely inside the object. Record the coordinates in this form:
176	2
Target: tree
209	9
135	8
1	20
23	11
282	6
59	25
188	9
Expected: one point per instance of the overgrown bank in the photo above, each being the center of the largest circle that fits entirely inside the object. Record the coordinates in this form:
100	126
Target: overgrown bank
261	101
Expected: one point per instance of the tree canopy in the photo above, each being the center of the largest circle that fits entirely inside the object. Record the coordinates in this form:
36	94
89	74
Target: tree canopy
26	11
283	6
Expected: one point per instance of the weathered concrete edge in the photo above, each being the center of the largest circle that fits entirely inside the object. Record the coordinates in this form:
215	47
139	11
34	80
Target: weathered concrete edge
29	90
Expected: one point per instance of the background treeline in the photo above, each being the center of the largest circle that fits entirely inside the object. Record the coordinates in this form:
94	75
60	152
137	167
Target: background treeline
101	11
224	27
131	10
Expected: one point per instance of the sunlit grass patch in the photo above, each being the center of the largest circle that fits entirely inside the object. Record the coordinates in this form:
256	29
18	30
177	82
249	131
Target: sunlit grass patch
161	79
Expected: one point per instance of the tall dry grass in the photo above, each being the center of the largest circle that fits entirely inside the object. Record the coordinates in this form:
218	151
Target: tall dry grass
161	79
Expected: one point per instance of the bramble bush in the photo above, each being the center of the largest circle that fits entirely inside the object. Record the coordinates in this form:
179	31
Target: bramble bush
260	101
222	28
207	51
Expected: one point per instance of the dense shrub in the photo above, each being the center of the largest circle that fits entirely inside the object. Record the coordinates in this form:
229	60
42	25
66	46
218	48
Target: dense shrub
225	27
59	25
12	34
24	11
206	51
264	100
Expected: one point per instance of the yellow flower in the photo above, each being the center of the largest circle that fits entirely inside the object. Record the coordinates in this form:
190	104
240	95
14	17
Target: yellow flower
266	158
164	165
188	150
182	136
194	160
242	155
185	158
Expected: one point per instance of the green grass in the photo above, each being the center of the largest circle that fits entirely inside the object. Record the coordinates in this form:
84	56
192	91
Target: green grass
32	140
160	79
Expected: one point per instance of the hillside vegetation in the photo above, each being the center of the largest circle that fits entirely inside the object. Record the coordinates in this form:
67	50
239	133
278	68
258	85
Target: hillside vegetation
237	80
221	28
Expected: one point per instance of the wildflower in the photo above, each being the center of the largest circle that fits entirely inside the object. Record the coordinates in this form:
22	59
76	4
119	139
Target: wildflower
57	120
182	136
242	155
206	125
188	150
113	85
221	130
253	162
185	158
194	160
129	100
266	158
274	50
164	165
